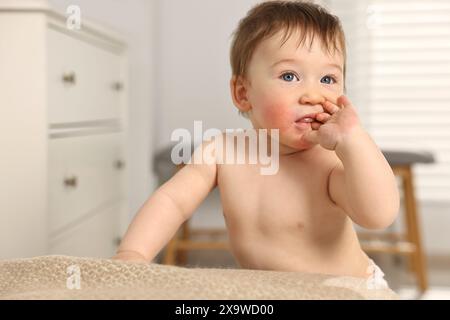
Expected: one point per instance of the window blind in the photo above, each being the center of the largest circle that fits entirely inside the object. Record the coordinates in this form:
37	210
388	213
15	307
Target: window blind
399	79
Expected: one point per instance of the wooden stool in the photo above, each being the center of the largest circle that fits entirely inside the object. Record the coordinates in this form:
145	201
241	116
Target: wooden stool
181	243
408	243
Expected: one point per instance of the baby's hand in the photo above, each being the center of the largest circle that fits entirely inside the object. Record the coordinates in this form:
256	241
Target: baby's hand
337	123
131	256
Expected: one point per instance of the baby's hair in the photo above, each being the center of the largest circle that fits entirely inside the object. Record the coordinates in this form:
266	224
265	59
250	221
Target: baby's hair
269	17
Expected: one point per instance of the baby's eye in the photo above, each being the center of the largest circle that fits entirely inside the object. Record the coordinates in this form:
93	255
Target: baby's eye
329	78
288	76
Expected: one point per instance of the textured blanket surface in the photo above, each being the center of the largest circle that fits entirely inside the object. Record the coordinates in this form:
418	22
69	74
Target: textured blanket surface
67	277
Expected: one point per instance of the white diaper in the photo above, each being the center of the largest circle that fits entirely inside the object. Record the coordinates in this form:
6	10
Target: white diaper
376	277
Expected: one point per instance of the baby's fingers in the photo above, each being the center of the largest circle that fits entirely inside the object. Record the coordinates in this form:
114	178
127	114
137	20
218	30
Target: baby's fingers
330	107
315	125
323	117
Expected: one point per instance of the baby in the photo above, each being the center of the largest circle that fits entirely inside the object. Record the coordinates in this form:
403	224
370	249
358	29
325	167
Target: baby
288	65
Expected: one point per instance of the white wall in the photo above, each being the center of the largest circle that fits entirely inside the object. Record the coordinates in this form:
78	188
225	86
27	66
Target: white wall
134	20
193	69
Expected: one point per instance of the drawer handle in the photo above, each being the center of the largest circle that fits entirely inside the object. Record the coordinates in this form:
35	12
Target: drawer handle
117	86
71	182
119	164
69	78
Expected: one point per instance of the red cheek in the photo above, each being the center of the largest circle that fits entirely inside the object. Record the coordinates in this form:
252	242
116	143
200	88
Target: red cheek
276	116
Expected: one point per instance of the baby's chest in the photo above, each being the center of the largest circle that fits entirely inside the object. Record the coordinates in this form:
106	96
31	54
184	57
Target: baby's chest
287	202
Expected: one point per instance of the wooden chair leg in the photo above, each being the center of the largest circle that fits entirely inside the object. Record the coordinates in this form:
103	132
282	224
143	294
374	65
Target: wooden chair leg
418	257
185	235
409	222
171	251
402	172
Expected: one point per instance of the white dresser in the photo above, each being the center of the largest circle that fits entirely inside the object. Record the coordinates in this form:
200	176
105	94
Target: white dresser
63	100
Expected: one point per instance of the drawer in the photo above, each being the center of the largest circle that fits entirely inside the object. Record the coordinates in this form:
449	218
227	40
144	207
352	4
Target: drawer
94	236
84	173
82	80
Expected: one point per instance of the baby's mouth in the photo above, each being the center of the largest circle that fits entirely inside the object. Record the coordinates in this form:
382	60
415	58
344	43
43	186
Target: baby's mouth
307	118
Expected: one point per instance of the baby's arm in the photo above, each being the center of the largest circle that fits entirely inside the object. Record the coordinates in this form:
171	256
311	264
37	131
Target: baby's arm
162	214
363	183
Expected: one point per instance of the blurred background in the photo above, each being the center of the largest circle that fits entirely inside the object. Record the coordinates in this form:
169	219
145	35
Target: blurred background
72	179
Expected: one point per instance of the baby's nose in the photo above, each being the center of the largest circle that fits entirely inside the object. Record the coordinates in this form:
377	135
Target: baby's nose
312	97
317	106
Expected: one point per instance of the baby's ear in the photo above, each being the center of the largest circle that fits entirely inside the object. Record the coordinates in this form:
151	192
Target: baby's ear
239	93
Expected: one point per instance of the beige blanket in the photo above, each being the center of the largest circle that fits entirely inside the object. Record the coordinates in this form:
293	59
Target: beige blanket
66	277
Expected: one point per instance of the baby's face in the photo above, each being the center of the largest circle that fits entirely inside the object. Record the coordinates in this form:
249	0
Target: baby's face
288	83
